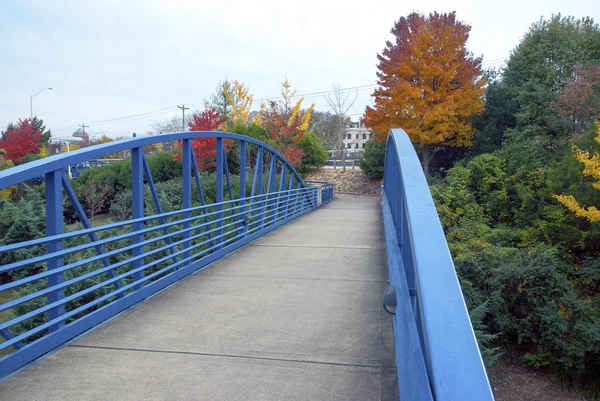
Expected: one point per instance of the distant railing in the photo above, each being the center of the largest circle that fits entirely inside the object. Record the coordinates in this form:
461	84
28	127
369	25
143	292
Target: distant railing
77	169
437	355
349	154
326	190
68	282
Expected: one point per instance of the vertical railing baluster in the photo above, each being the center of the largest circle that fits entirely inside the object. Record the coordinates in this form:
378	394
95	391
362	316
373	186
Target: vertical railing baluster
297	205
227	176
137	208
270	188
187	195
54	226
220	157
242	195
259	185
196	175
280	199
290	197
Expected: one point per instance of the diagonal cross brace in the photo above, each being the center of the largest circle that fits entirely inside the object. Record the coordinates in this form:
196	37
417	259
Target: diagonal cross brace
86	224
157	203
200	192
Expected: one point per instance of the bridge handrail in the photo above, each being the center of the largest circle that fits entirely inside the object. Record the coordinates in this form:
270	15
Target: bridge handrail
431	315
57	301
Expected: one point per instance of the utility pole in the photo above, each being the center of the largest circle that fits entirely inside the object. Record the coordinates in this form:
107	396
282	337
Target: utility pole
183	109
83	127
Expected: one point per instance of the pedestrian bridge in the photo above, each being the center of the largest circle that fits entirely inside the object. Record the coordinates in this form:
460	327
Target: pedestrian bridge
270	291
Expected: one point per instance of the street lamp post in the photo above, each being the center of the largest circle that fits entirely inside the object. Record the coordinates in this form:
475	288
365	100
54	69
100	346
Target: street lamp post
31	97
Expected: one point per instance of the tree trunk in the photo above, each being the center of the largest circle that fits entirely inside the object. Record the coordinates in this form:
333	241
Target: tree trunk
425	159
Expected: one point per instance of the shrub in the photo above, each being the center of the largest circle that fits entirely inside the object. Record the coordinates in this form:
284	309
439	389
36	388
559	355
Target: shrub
315	155
30	157
534	305
163	167
373	159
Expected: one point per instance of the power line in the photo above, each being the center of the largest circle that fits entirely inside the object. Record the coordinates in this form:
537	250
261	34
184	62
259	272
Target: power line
123	119
129	117
138	118
64	129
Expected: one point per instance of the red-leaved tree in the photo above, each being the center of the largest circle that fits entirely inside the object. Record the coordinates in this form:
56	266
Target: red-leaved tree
24	139
580	100
205	149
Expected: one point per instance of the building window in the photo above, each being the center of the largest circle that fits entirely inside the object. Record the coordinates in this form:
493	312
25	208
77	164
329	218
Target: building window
363	145
356	146
370	136
356	136
349	136
364	136
349	146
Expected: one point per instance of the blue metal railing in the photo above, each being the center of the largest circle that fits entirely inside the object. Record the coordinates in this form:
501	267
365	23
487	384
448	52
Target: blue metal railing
68	282
436	350
326	190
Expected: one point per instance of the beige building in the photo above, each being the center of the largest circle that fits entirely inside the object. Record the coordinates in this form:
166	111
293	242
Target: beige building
356	136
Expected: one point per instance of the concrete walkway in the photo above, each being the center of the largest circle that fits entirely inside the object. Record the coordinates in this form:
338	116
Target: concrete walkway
294	316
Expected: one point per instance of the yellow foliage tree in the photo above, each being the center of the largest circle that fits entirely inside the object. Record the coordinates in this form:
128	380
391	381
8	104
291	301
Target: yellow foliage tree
105	139
44	152
6	193
287	95
591	168
240	100
69	148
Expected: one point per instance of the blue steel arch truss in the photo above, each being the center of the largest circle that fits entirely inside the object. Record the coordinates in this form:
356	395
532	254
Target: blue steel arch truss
77	279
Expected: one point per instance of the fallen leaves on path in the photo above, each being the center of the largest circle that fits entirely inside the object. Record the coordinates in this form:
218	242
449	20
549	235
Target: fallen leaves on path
349	181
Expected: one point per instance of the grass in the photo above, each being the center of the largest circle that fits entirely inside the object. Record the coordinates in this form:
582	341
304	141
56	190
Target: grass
99	220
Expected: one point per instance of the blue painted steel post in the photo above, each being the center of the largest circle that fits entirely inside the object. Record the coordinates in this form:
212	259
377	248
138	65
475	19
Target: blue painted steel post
242	176
220	157
137	206
280	200
257	181
187	192
270	188
289	196
54	226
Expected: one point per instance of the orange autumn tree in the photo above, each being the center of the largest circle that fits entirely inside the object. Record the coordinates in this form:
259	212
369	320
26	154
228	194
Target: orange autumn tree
429	84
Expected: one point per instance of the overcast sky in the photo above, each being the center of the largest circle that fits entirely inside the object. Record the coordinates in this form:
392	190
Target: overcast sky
109	59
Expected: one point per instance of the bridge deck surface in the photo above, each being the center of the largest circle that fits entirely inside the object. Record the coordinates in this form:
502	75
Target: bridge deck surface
296	315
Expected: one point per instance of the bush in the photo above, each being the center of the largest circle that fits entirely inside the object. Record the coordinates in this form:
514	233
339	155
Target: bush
533	304
315	155
30	157
373	159
163	166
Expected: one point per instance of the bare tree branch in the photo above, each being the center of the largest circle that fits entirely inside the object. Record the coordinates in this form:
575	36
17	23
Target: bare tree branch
339	102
